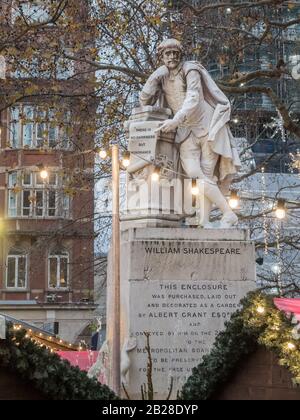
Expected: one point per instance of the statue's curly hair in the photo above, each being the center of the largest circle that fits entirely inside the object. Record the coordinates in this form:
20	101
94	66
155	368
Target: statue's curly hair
169	43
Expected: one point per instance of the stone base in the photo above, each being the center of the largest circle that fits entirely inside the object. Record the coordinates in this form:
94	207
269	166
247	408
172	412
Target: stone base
132	221
181	285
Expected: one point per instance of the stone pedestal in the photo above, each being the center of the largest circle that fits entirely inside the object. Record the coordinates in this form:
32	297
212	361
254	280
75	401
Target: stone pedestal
180	285
148	202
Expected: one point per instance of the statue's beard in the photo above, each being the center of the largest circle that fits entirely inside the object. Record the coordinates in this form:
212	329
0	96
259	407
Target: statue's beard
172	65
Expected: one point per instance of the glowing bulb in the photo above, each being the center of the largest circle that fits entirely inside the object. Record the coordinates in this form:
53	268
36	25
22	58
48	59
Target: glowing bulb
195	189
276	268
155	175
291	346
44	174
228	10
233	203
103	154
261	310
126	159
280	213
126	163
234	199
236	120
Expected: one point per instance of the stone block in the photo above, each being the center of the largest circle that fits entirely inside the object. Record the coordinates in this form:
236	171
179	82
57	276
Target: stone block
180	285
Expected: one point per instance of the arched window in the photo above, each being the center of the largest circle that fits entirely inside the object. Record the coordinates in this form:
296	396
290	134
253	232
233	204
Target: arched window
58	269
16	269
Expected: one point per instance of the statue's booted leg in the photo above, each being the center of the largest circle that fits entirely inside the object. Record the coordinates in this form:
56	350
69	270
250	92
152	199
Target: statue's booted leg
213	193
209	160
193	161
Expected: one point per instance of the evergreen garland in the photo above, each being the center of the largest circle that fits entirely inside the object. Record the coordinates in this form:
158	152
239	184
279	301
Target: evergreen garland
259	322
54	377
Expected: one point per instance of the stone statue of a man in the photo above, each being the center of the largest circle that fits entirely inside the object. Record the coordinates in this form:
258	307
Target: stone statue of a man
200	115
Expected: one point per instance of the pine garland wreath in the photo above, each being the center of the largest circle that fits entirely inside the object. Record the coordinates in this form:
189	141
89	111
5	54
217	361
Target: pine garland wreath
259	322
54	377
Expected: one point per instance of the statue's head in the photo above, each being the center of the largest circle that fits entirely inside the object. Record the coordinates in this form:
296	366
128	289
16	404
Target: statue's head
170	53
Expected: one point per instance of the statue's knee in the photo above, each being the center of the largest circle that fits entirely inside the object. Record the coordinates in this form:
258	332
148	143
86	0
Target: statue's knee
194	173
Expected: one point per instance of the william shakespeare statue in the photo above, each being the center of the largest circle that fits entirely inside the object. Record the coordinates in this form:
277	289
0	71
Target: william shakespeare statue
201	113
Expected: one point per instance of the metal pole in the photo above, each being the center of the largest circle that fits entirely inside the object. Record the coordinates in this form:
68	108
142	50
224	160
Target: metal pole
116	380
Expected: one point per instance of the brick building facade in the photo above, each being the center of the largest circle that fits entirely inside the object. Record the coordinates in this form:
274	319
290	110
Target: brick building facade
46	237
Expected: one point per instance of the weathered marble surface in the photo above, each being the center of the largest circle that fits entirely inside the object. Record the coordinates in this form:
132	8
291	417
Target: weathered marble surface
180	285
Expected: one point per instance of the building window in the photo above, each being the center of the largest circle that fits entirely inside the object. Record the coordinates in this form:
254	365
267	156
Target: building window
32	127
58	269
30	196
16	269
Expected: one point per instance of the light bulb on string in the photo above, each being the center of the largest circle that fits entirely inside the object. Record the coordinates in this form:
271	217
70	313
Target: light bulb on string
234	199
44	174
276	268
156	174
43	171
103	154
195	188
291	346
126	159
261	310
280	211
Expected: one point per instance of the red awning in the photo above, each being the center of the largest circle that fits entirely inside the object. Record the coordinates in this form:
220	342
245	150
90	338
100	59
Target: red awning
83	359
290	306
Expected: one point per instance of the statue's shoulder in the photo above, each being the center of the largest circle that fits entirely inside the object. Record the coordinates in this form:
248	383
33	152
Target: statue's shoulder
192	65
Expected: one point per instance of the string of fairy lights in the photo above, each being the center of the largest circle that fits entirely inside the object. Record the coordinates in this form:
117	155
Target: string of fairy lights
287	342
264	205
43	340
280	207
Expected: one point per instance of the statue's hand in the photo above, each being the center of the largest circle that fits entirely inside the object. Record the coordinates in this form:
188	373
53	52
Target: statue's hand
168	125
